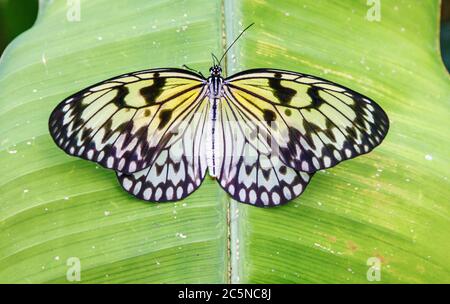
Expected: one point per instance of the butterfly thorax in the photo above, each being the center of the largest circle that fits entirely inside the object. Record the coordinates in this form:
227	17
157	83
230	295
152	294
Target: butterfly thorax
215	82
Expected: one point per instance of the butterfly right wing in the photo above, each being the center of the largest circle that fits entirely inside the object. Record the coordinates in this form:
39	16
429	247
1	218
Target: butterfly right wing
250	173
124	122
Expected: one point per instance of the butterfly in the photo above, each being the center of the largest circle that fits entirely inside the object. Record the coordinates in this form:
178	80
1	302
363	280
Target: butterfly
261	133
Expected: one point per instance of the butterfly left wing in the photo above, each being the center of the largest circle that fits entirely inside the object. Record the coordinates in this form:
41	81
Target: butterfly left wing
179	168
313	123
251	175
123	123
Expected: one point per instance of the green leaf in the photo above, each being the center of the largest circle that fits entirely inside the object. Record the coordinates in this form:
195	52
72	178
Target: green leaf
391	204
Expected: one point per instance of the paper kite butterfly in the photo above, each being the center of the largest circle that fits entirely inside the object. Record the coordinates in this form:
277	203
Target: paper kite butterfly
262	133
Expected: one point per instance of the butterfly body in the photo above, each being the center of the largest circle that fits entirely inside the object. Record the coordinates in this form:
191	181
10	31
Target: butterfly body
215	83
212	137
262	133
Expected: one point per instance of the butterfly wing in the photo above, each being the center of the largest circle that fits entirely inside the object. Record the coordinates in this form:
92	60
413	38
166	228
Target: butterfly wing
179	168
124	122
250	175
315	123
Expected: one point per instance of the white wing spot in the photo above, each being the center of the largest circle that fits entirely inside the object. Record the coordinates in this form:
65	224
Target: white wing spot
348	153
90	154
275	198
305	176
316	163
305	166
137	188
132	166
100	156
121	164
231	189
179	192
337	155
110	162
297	189
265	198
69	100
81	150
158	193
242	195
252	196
169	193
127	183
287	193
147	193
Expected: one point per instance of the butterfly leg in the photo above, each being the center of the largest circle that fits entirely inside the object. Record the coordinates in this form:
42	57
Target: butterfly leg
193	70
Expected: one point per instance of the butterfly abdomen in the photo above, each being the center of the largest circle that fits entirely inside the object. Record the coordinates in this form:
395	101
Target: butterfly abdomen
212	138
215	83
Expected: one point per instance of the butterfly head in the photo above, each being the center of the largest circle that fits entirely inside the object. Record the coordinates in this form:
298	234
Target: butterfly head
215	70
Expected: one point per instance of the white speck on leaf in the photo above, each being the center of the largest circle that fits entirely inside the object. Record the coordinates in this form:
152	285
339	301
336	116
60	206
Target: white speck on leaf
43	59
181	235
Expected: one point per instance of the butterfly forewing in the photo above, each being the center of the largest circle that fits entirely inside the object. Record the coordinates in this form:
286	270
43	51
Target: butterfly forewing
124	122
315	123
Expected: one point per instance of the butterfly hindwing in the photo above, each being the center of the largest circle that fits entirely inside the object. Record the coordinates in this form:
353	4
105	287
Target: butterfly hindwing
315	123
179	168
251	176
122	123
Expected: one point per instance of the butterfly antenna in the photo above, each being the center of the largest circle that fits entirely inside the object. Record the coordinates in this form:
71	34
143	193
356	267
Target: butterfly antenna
214	58
229	47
